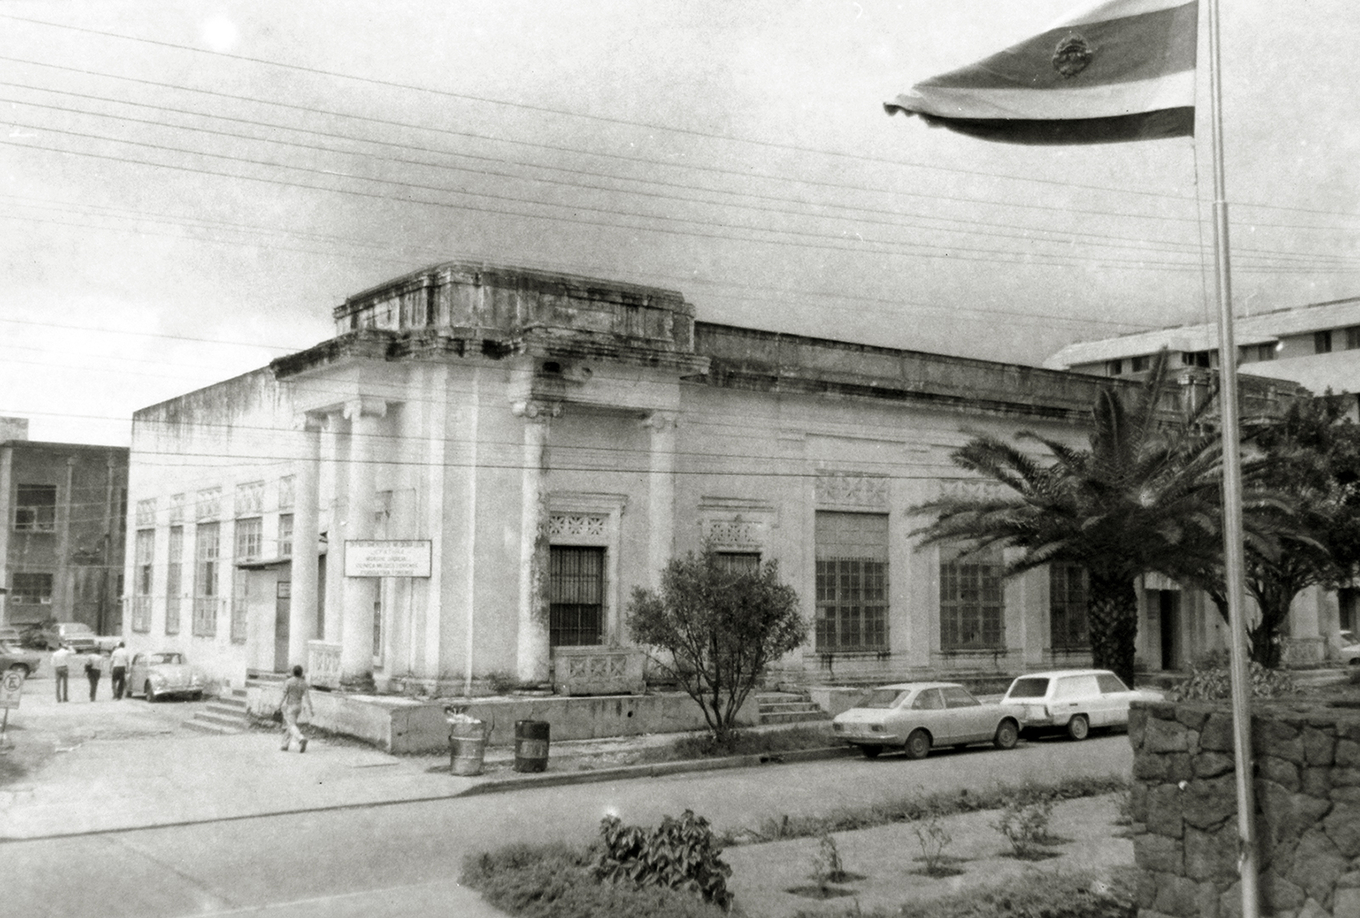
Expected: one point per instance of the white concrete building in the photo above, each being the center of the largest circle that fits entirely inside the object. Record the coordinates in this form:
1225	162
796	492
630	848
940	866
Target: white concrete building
541	444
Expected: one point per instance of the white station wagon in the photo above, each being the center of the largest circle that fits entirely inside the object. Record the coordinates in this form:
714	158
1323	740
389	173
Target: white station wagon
1075	700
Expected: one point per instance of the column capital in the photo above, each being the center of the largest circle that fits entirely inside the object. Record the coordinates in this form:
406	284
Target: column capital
309	422
534	409
660	421
365	406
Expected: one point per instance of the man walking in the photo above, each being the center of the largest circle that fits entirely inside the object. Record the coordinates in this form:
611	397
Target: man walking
94	670
295	695
118	663
61	668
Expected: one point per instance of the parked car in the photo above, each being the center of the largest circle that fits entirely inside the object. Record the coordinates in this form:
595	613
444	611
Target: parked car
1350	648
1074	700
165	673
919	715
14	657
78	635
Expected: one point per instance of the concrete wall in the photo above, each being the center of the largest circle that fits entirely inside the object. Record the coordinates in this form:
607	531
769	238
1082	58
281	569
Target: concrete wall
1307	766
402	725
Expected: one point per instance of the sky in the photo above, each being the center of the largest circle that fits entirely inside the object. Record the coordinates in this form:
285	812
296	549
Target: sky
187	189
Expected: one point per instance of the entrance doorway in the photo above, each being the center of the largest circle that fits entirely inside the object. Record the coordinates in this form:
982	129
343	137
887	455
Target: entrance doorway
1169	620
283	596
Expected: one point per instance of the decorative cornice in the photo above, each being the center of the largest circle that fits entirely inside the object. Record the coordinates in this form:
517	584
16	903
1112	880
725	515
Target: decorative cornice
535	409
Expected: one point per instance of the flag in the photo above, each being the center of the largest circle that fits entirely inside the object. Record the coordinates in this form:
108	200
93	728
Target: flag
1116	70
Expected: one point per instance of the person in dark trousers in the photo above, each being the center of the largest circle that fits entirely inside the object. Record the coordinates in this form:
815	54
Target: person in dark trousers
118	663
296	695
94	671
61	669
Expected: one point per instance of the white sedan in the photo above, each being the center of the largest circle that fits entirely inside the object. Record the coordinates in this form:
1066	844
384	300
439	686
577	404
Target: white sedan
1074	700
160	675
918	715
1350	648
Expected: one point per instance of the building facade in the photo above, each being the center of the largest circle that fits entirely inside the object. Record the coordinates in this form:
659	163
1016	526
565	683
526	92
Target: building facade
485	461
61	547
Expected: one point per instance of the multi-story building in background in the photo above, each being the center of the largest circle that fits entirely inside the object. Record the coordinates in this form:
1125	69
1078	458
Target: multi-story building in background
472	476
61	546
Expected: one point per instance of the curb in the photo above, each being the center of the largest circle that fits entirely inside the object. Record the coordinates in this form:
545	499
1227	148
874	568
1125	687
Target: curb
655	770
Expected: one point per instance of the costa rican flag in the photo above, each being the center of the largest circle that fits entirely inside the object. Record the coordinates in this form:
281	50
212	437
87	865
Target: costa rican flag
1114	71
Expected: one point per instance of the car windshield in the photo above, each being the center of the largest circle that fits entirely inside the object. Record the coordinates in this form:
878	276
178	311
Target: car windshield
1348	637
1034	687
880	698
76	628
166	658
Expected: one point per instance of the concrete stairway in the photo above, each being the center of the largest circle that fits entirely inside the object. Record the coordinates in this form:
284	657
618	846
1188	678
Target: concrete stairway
221	715
788	708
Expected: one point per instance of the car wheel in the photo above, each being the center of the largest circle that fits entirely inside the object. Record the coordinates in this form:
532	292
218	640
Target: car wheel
19	668
918	744
870	751
1007	735
150	693
1079	727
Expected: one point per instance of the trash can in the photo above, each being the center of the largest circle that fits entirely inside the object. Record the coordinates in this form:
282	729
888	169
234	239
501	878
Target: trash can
531	745
467	742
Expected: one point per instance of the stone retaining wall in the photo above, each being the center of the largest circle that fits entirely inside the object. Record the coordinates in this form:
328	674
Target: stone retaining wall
1184	806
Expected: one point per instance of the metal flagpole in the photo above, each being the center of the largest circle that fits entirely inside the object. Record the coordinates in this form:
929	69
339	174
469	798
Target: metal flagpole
1234	562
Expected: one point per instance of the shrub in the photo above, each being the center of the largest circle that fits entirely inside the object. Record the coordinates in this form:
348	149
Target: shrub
934	838
1025	826
826	863
678	854
556	881
1036	894
1210	680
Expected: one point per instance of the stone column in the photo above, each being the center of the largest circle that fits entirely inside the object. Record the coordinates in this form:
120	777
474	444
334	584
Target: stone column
661	493
302	618
533	652
333	461
358	594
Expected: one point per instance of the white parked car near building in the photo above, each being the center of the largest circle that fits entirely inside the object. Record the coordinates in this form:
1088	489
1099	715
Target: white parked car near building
914	716
1074	700
1350	648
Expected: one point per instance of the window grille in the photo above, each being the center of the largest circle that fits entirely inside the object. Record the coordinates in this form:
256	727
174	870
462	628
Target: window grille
249	539
575	596
35	508
249	498
206	574
31	589
174	579
146	512
1067	604
209	504
852	582
972	602
738	562
144	551
285	535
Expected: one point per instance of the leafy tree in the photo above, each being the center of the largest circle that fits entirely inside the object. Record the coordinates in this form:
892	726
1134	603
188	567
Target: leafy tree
718	628
1146	488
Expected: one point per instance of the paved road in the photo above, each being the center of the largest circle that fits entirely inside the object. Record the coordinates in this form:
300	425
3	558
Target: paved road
403	859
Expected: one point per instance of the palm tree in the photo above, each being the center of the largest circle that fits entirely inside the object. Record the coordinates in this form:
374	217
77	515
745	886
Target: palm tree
1145	492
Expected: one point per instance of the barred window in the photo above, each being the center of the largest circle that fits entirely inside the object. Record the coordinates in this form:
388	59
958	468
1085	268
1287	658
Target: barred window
249	539
285	535
738	562
575	595
35	508
174	579
206	574
31	589
852	582
972	602
240	606
1067	607
144	550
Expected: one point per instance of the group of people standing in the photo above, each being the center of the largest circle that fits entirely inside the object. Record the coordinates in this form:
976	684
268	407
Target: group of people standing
93	663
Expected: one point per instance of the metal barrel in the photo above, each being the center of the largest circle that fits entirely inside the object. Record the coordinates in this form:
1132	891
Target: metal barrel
531	745
467	747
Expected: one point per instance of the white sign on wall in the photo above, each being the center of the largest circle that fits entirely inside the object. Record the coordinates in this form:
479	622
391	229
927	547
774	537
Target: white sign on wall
387	558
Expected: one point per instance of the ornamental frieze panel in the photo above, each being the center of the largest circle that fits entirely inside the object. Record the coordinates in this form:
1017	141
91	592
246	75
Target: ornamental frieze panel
578	526
851	489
